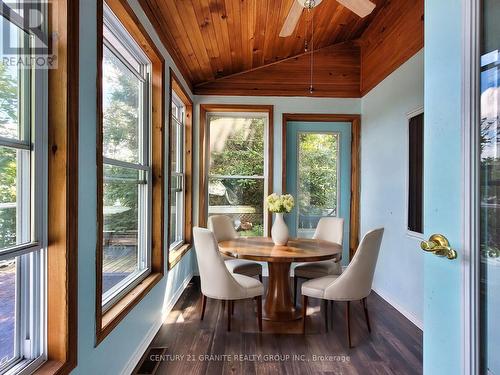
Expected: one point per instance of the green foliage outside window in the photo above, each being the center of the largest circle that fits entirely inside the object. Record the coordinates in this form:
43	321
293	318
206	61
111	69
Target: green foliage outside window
120	141
243	155
317	171
8	167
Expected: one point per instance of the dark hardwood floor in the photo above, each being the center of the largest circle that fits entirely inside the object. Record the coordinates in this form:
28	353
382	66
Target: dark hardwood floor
205	347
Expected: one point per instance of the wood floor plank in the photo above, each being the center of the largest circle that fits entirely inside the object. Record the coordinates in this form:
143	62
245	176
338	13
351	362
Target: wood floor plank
393	347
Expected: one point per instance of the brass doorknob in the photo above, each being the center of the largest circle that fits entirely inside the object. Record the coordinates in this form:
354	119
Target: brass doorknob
439	245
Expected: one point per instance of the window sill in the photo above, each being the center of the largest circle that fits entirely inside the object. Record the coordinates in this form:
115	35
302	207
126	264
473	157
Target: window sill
55	367
115	314
176	255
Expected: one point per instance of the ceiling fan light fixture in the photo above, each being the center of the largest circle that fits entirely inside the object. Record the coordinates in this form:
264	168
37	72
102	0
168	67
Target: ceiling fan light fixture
309	4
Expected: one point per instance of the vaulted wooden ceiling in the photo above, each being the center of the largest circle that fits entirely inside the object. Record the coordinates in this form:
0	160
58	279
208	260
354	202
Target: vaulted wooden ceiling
217	43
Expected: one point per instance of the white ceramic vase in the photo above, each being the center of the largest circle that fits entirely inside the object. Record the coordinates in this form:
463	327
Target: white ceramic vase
279	231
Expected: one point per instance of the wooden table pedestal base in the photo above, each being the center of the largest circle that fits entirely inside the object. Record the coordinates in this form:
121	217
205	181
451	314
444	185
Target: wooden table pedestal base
279	305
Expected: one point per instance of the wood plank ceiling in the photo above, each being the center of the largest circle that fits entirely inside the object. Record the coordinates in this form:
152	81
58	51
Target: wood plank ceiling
211	40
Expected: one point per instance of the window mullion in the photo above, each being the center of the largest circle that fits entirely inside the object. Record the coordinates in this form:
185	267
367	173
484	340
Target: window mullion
124	164
14	143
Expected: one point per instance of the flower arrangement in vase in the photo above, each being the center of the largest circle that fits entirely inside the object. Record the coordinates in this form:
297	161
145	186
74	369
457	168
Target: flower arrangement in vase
279	205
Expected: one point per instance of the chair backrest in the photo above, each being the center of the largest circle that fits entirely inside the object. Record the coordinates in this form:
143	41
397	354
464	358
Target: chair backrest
330	229
222	227
356	281
216	280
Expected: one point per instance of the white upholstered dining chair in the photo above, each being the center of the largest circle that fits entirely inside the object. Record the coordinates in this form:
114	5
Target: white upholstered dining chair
329	229
223	229
216	280
355	283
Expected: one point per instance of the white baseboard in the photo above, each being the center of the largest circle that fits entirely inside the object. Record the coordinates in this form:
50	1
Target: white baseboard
408	315
178	293
148	338
143	346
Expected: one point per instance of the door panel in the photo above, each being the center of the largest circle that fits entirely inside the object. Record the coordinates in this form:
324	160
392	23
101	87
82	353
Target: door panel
318	175
443	185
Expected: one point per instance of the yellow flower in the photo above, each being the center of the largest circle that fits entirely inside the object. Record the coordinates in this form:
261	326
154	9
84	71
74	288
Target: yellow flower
280	203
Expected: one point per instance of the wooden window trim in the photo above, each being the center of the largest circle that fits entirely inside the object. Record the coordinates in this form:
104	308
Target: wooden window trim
106	322
175	86
228	108
355	121
62	275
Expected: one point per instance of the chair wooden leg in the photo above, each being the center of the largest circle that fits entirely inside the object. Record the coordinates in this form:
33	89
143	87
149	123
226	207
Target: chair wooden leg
260	277
258	300
348	318
332	315
203	305
304	313
325	307
228	316
232	307
367	317
295	290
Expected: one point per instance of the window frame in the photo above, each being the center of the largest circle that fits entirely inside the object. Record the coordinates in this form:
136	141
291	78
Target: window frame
61	138
32	185
180	172
177	91
107	320
225	109
410	233
143	164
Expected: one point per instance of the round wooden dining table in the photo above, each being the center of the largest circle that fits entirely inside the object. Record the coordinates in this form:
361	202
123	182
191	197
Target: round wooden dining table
278	301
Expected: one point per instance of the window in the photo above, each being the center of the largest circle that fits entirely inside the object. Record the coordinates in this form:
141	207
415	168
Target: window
415	173
180	197
23	198
486	255
238	158
126	162
317	179
131	113
177	166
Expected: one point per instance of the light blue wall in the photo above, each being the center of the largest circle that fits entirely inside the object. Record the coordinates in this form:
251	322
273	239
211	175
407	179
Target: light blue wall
443	184
384	171
126	342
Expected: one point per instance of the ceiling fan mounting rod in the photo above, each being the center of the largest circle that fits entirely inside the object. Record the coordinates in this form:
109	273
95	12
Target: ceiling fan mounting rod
311	87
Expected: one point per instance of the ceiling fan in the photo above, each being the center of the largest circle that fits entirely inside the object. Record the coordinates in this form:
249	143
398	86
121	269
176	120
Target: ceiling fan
361	7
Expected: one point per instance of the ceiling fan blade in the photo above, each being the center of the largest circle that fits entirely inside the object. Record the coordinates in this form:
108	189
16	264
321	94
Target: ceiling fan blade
361	7
292	19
